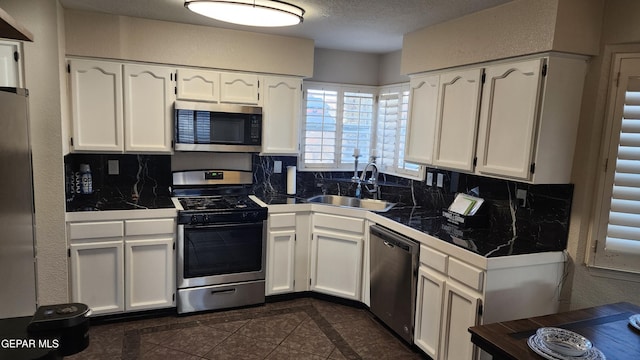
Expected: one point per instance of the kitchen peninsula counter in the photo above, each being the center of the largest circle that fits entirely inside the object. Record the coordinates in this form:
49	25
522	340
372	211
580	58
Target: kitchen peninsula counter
498	238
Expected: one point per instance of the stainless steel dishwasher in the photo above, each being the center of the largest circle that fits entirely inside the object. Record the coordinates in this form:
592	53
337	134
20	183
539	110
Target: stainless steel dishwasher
394	267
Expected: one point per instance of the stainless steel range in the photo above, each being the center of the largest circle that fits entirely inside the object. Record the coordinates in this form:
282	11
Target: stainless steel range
221	241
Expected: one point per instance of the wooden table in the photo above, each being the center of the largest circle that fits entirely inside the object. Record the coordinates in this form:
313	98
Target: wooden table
607	327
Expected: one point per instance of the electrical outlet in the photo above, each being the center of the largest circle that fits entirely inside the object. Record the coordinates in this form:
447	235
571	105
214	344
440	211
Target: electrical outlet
277	167
521	195
113	167
440	181
429	179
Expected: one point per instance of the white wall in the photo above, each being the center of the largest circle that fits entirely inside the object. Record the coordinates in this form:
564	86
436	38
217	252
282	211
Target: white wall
512	29
121	37
350	67
389	70
620	33
43	71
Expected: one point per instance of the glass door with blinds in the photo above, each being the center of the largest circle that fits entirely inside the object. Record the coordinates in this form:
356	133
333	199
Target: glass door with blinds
618	234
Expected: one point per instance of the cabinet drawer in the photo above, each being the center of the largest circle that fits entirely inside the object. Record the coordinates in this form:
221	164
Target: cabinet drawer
338	223
96	230
466	274
433	259
149	227
282	220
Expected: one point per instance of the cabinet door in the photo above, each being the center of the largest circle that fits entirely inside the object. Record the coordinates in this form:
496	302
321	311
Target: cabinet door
96	105
509	113
280	261
148	114
423	101
97	277
10	64
461	307
150	273
198	85
457	119
281	115
336	264
239	88
429	303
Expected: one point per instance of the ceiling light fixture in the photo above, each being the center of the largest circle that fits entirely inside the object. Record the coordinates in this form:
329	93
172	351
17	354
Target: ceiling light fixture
268	13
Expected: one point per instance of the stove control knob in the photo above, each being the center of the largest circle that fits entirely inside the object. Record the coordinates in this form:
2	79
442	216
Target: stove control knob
194	219
205	219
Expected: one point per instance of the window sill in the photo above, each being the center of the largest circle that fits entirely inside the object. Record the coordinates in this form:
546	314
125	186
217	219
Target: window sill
613	273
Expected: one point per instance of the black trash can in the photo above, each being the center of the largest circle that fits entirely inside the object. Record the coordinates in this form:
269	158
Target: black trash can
63	326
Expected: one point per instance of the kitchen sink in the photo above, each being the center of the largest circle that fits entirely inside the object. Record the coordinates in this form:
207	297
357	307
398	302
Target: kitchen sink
346	201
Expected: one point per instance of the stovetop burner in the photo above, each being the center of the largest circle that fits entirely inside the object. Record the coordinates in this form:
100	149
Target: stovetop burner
216	203
215	197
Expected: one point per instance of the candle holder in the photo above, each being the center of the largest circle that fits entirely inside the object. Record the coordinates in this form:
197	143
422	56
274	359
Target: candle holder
355	168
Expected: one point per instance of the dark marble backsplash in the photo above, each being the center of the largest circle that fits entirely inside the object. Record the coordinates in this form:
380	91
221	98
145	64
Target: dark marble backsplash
142	181
540	222
542	219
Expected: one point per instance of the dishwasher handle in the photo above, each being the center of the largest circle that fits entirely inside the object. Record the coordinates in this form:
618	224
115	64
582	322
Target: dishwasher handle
392	239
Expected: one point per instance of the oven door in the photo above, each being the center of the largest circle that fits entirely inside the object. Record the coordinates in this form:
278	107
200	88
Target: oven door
221	254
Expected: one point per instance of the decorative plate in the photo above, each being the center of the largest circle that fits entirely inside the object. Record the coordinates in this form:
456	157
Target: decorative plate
634	321
538	346
563	341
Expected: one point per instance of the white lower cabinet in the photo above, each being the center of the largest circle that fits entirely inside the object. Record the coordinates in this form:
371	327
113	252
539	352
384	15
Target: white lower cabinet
97	275
150	273
122	265
429	302
336	255
336	264
288	238
281	247
457	289
447	303
461	311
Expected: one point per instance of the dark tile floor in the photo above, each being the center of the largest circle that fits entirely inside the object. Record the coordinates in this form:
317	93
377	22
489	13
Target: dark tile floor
303	328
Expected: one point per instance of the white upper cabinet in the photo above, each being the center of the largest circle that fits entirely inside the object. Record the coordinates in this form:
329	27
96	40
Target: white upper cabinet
529	119
456	120
198	85
148	108
110	114
281	115
523	129
423	98
10	64
96	105
508	118
239	88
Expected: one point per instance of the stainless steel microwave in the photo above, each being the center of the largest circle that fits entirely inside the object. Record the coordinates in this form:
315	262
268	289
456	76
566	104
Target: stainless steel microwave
217	127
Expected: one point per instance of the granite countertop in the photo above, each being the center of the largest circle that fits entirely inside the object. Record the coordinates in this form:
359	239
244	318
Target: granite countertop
495	238
97	202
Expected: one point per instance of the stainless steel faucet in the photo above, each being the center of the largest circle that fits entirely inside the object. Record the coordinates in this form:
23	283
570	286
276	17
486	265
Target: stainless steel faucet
373	180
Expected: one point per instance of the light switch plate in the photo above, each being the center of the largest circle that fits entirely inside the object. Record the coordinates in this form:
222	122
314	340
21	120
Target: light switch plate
277	167
429	179
113	167
440	181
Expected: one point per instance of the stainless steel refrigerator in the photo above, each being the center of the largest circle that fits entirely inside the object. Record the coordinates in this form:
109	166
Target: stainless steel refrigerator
17	230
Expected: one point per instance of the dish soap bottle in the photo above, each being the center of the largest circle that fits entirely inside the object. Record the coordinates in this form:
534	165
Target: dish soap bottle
86	179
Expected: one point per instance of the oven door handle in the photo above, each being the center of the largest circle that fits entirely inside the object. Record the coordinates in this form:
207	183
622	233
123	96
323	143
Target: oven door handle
228	291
